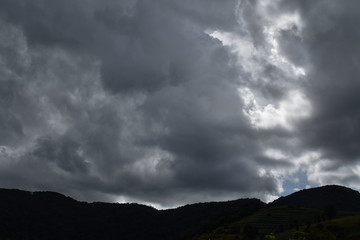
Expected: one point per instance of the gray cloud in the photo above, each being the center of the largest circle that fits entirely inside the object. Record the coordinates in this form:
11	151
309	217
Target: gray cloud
328	47
330	41
176	102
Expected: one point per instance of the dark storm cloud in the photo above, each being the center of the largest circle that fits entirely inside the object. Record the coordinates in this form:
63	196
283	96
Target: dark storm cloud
172	102
328	48
63	152
214	141
126	99
330	41
132	38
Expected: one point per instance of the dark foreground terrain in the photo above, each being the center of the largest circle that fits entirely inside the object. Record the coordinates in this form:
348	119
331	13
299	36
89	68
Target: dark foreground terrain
330	212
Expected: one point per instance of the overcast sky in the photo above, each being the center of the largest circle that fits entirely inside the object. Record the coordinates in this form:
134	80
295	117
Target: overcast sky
169	102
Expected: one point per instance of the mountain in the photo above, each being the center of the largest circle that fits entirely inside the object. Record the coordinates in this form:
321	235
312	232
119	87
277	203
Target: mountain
50	215
329	212
201	217
339	197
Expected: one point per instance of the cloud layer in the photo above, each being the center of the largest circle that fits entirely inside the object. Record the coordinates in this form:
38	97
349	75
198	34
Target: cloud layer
172	102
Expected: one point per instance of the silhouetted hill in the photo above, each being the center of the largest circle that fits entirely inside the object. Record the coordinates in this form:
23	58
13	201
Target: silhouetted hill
49	215
342	198
202	217
330	212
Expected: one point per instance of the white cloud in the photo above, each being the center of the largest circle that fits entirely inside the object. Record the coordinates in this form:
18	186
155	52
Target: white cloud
272	33
322	172
253	60
275	154
291	109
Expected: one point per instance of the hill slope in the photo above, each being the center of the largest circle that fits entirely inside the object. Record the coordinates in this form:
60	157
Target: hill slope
49	215
301	215
342	198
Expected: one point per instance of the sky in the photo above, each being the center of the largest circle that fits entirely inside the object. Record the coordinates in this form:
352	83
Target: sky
168	103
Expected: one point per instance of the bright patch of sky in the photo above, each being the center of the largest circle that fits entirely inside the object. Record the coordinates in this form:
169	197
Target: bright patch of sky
269	115
294	107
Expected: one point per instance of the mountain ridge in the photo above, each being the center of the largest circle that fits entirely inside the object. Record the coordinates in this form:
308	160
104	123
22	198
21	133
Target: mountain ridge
282	200
67	218
71	219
